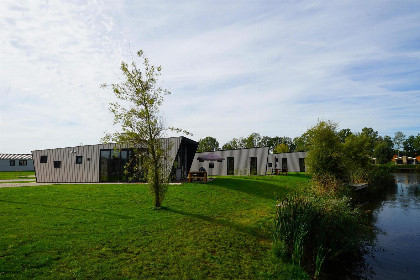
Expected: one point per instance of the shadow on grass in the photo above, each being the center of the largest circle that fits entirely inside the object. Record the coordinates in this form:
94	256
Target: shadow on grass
241	228
257	187
68	208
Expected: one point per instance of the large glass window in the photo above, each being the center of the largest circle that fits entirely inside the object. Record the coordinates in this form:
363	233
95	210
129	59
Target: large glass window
112	164
23	162
79	159
253	166
230	166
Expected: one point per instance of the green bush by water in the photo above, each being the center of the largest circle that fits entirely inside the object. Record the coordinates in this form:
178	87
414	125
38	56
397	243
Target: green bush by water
310	229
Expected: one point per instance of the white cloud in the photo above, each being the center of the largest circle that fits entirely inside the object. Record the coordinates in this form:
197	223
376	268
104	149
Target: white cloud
233	68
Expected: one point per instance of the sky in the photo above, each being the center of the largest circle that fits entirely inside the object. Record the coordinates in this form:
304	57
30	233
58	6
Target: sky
233	67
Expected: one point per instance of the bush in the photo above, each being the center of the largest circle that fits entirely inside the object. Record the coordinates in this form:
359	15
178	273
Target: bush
311	229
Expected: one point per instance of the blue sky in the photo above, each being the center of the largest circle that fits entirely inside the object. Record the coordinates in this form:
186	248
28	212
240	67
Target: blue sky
233	67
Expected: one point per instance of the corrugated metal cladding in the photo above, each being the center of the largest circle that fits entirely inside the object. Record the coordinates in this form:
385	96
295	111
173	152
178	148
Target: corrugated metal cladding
88	170
241	161
292	161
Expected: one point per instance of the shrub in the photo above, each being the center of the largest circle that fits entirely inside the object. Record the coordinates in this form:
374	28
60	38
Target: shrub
311	229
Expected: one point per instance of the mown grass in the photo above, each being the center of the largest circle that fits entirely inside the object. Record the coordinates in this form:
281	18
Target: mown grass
219	230
10	175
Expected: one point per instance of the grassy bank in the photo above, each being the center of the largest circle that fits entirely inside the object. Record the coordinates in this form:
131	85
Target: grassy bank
218	230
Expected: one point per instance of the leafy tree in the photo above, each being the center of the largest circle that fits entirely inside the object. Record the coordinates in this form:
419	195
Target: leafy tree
325	152
252	141
281	148
343	134
301	144
398	141
383	152
412	145
233	144
208	144
372	136
356	152
139	116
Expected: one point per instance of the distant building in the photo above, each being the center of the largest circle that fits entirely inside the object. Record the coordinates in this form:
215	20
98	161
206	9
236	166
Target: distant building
105	163
252	161
16	162
405	160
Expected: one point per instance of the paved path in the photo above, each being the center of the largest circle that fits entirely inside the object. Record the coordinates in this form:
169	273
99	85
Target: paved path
18	180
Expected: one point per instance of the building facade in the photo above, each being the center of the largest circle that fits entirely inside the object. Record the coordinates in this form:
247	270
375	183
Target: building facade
105	162
16	162
251	161
294	162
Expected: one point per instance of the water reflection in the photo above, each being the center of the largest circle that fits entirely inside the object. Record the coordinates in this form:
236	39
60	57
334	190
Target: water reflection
396	218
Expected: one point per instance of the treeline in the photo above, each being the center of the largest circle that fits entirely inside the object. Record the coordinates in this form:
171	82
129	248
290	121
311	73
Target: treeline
380	147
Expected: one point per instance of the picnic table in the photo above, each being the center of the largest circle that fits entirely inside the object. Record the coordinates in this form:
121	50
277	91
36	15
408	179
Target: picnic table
281	171
198	175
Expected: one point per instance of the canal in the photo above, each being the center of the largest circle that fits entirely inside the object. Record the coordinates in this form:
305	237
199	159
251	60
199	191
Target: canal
395	253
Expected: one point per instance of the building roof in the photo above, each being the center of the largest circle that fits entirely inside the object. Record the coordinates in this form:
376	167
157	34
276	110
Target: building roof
15	156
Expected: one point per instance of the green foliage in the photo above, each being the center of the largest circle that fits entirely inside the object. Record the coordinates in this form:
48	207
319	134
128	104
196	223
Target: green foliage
399	140
232	144
281	148
383	152
325	156
310	229
343	134
372	135
356	151
142	128
208	144
412	145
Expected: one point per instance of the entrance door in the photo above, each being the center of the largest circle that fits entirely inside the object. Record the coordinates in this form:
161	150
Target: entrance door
253	166
230	166
284	163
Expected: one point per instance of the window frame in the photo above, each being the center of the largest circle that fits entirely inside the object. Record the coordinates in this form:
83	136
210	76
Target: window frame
23	162
43	159
79	158
12	162
57	163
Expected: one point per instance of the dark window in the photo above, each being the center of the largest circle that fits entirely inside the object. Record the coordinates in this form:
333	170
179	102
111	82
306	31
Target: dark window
270	164
230	166
12	163
284	163
211	164
79	159
253	166
23	162
201	160
44	159
57	164
112	165
302	164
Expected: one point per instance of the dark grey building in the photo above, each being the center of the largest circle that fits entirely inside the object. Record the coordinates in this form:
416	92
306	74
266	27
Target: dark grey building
16	162
251	161
105	162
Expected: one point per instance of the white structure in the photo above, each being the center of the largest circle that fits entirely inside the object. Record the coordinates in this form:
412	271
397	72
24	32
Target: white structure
294	162
251	161
16	162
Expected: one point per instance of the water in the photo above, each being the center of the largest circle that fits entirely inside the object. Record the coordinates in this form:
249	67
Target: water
396	253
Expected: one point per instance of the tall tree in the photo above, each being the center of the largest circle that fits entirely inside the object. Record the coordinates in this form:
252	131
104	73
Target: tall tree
372	136
252	141
208	144
398	141
412	145
139	116
233	144
344	133
281	148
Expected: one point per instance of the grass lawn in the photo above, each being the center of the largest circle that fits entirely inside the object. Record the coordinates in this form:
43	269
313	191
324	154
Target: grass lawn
217	230
10	175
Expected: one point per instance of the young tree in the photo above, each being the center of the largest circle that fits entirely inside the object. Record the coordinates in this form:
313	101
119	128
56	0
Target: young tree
208	144
399	140
281	148
142	127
